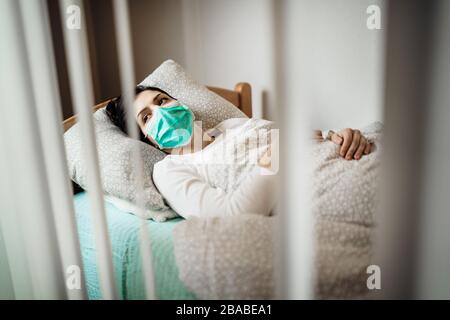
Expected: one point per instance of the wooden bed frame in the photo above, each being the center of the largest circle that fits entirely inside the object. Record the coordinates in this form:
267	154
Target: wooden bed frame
241	97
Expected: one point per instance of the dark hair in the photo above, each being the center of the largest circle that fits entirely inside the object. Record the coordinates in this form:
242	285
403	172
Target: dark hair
116	110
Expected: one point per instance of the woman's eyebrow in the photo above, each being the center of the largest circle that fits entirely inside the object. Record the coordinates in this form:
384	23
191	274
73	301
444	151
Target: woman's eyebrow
146	106
142	111
156	98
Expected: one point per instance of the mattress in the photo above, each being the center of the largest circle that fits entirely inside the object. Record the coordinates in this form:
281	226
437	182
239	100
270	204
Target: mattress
124	235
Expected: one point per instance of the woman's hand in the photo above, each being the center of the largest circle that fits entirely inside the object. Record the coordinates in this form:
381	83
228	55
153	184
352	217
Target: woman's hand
353	144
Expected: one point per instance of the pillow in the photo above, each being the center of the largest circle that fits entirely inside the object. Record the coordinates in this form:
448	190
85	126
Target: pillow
126	206
116	166
206	105
114	147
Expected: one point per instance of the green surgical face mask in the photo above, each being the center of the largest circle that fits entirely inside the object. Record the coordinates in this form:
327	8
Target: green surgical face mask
171	127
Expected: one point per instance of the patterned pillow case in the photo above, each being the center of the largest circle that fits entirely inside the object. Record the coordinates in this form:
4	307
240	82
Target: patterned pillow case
208	107
116	165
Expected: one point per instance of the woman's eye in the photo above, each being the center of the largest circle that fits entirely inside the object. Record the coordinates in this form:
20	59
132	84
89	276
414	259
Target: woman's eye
162	101
145	118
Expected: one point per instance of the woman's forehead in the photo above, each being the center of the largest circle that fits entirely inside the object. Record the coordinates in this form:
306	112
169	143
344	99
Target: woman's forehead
144	98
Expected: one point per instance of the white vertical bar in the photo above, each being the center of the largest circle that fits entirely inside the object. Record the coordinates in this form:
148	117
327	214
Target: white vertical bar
295	237
26	160
124	48
10	223
407	53
434	256
40	55
7	287
83	100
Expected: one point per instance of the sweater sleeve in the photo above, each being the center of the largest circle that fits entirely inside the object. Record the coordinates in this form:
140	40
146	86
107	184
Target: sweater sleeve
189	194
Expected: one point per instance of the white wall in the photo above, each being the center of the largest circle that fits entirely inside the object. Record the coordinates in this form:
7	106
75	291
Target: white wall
341	59
231	41
157	35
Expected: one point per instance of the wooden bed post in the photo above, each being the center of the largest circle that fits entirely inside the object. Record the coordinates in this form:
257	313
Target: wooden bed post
245	97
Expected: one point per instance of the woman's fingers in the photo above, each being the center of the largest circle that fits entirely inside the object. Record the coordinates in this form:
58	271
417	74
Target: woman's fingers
336	138
354	145
347	135
362	146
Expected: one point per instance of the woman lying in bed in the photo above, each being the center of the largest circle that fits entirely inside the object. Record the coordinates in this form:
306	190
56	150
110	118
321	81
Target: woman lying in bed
220	171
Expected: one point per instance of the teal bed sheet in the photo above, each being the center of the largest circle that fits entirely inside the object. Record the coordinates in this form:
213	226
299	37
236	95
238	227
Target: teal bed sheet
124	234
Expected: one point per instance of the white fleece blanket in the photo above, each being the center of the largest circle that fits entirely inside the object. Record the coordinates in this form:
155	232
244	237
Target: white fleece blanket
232	257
